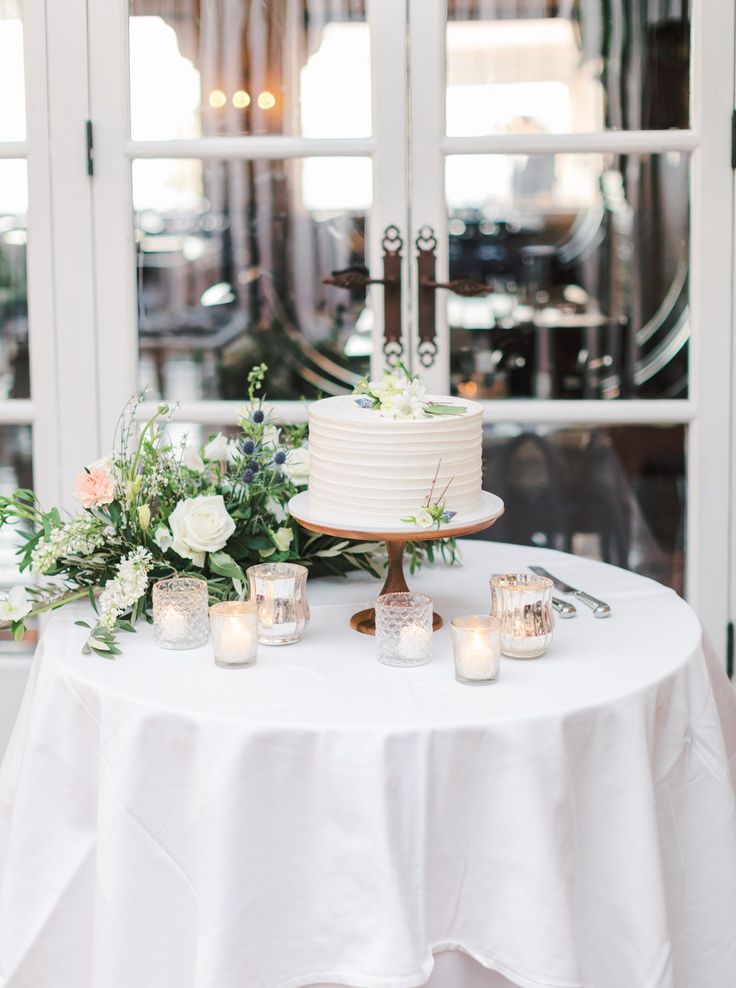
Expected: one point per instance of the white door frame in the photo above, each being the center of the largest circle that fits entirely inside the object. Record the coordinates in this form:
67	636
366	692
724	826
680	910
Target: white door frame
113	209
704	412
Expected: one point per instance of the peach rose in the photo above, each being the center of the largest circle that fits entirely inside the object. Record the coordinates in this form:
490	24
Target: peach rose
95	486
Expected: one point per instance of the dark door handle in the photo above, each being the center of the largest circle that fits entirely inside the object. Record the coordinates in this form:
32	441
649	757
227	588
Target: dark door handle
358	278
426	244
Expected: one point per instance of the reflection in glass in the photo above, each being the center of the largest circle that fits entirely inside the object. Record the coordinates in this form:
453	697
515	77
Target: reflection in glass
515	66
266	67
588	258
15	471
616	494
231	257
14	369
12	81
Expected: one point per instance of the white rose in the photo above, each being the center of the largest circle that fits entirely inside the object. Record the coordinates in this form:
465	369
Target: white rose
200	525
296	467
282	539
163	538
105	464
192	460
275	509
16	605
217	449
271	436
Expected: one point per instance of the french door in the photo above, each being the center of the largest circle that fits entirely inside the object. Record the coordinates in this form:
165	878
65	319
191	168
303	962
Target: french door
529	201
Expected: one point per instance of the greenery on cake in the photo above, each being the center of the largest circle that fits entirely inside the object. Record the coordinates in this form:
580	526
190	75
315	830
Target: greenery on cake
400	395
433	510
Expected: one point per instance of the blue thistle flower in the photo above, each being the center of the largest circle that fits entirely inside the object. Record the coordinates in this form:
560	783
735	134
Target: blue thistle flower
258	416
279	457
364	402
248	447
253	466
247	476
448	515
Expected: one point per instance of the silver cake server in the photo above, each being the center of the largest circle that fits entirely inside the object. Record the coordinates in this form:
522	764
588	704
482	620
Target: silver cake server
563	607
599	607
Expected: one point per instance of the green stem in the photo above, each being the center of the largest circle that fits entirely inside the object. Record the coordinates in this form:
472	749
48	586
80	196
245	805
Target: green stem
60	601
136	460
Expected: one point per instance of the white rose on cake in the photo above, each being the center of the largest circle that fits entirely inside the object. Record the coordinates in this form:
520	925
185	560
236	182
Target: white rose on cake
200	525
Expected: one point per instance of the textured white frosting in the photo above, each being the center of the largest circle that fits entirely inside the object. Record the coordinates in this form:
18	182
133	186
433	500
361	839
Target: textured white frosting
368	467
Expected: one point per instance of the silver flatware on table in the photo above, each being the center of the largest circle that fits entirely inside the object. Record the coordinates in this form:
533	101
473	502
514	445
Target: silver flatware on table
563	607
599	608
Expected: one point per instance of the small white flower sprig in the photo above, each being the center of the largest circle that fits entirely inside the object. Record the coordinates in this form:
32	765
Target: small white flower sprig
433	512
401	396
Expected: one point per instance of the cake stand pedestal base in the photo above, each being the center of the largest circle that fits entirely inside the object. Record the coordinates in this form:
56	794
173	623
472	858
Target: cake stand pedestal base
491	508
365	621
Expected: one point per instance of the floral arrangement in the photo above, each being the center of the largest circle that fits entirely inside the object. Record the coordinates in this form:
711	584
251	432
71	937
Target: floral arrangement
153	509
432	512
400	395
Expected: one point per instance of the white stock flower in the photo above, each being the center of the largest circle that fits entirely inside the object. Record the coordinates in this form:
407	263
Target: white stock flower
282	539
296	467
275	509
16	605
192	460
78	537
130	583
163	538
217	449
200	525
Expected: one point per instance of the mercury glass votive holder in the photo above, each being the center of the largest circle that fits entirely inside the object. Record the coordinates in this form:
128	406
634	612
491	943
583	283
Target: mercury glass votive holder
404	629
234	626
280	591
476	645
523	604
180	612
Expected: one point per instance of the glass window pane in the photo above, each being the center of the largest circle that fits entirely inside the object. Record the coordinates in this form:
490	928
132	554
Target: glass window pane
245	67
616	493
231	256
15	471
588	258
14	368
541	66
12	82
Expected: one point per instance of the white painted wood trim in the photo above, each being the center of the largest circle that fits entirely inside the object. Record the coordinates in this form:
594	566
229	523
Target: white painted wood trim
264	148
42	410
711	274
21	149
502	412
19	410
617	142
78	372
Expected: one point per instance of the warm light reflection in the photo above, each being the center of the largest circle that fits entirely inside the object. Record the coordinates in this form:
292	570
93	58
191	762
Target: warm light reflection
266	100
241	99
217	98
468	389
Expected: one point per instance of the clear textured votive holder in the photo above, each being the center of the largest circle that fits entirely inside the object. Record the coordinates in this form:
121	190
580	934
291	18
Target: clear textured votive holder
404	629
280	590
523	604
180	612
234	626
476	645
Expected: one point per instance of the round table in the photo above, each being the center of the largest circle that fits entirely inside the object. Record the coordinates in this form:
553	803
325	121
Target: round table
322	819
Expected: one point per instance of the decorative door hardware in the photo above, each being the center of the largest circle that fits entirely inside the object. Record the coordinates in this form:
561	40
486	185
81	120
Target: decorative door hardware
357	278
426	244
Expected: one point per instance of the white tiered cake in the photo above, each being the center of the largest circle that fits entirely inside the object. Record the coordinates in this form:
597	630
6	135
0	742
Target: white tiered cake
366	465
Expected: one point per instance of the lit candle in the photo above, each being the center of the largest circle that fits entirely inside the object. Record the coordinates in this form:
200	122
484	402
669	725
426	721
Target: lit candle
476	642
173	624
234	626
414	642
180	612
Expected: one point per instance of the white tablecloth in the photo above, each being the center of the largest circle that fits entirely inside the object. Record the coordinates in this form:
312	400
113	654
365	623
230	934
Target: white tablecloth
323	819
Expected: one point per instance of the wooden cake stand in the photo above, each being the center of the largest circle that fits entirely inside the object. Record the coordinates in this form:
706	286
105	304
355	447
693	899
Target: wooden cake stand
364	621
